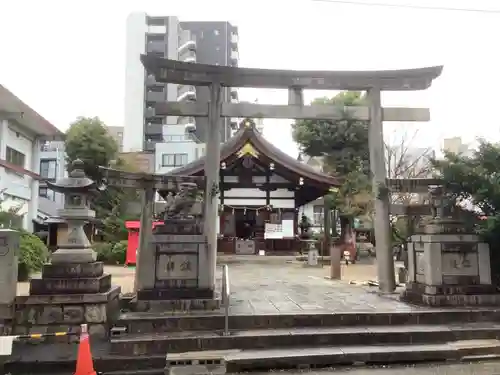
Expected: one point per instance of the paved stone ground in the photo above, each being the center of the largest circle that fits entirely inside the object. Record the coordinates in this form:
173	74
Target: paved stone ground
479	368
290	288
279	285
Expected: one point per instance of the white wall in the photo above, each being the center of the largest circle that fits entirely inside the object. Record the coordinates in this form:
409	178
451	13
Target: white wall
55	151
18	188
133	135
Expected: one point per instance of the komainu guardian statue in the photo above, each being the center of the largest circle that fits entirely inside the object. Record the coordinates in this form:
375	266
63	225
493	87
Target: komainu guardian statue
182	203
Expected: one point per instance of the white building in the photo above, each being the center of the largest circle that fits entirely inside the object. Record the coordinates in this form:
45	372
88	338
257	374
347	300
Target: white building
175	141
455	145
24	157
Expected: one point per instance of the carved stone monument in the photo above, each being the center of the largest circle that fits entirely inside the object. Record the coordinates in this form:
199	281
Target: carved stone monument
180	258
9	247
73	288
447	264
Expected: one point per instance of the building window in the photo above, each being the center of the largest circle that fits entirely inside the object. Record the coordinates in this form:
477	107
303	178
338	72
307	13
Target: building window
318	215
216	32
15	157
45	192
48	169
174	160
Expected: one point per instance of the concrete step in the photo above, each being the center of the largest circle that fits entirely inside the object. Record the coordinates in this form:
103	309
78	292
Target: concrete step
316	357
136	322
187	341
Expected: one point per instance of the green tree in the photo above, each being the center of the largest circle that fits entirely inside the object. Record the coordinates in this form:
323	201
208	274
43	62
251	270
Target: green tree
88	139
475	180
343	146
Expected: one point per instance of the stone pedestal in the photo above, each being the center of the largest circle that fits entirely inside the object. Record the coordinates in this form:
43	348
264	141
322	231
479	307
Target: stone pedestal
449	267
179	266
66	296
9	247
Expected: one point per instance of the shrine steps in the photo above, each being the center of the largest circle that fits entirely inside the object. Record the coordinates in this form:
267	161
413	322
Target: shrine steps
268	339
148	341
137	322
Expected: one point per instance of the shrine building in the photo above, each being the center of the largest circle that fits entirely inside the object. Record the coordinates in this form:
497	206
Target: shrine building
259	184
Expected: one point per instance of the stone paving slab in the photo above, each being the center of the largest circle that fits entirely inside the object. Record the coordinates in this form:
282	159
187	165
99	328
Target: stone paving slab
292	289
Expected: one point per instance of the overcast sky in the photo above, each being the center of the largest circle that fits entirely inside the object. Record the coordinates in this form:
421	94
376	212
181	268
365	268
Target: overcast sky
66	58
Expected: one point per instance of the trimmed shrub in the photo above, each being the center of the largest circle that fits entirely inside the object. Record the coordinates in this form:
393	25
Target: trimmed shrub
33	253
111	253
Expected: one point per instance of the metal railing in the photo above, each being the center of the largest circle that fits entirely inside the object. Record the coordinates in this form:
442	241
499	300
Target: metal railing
225	297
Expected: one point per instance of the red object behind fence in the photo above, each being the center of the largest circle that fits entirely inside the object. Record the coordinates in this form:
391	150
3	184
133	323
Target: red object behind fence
133	240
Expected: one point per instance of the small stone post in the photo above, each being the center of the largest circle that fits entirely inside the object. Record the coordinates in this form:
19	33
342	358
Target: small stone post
9	257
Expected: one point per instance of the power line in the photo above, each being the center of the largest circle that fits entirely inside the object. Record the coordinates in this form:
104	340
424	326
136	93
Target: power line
409	6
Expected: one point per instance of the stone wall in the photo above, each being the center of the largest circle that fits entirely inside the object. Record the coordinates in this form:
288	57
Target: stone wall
58	313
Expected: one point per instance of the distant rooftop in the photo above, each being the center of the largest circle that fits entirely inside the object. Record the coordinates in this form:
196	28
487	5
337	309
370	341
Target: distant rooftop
13	108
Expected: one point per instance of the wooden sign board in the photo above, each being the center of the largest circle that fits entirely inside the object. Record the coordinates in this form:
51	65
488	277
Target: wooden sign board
410	210
412	185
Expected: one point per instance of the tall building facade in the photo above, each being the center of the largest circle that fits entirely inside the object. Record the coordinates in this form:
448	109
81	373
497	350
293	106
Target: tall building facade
455	145
117	133
175	141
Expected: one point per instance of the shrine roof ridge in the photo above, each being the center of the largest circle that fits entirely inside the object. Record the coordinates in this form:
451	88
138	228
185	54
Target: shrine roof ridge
251	135
174	71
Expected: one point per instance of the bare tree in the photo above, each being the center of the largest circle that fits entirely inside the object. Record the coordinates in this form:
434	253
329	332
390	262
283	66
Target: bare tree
403	160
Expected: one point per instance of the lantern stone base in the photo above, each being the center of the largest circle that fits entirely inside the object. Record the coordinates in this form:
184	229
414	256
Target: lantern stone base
66	296
73	256
66	312
449	267
70	278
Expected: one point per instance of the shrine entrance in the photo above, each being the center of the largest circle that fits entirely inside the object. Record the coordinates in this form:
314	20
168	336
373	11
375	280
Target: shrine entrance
244	223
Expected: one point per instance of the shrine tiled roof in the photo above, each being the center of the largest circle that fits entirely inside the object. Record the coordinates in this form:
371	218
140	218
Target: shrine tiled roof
249	134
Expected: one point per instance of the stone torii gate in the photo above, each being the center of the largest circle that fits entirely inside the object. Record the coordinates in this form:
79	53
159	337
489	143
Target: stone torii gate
216	77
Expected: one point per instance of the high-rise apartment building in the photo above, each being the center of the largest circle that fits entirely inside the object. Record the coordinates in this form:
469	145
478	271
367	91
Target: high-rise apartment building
117	133
456	146
175	141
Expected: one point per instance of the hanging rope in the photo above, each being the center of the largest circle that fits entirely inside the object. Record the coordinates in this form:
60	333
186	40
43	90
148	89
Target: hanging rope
245	209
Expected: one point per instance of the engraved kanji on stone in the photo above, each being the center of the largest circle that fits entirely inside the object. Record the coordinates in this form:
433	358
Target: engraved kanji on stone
186	265
170	266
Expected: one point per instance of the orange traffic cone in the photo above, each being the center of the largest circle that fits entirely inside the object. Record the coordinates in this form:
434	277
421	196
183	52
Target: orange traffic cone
84	363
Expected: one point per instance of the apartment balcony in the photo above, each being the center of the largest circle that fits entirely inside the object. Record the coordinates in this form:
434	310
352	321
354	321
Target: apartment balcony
149	112
188	56
189	124
234	58
234	95
151	81
189	45
186	92
235	40
149	145
156	21
156	47
155	96
233	123
52	146
178	138
153	130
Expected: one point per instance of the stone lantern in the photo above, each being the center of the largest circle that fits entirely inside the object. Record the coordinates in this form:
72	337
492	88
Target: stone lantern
73	289
76	247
